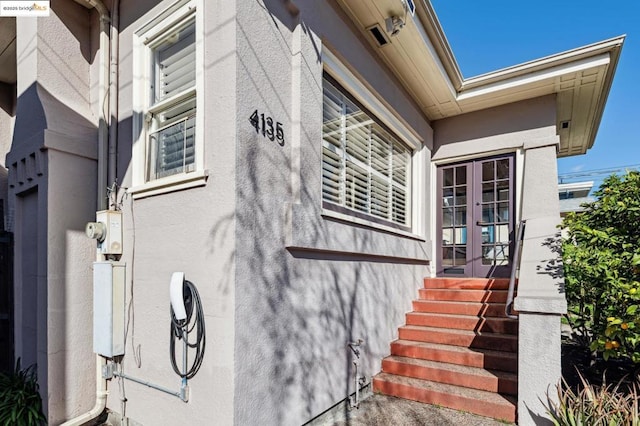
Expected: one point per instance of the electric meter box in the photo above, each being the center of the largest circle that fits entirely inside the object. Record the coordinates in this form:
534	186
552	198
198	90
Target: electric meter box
112	220
108	308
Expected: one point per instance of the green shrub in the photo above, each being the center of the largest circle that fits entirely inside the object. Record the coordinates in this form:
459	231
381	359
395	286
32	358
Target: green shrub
605	405
20	402
601	256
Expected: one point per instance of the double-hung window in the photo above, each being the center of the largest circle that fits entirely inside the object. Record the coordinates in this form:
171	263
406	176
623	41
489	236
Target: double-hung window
168	151
365	168
171	116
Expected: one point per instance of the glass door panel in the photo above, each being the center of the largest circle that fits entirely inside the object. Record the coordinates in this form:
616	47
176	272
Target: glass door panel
475	211
453	219
493	210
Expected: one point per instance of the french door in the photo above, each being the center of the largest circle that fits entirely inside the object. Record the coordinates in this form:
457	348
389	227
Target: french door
475	226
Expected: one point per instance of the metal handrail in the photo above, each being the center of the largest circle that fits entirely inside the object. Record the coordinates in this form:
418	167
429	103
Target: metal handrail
508	309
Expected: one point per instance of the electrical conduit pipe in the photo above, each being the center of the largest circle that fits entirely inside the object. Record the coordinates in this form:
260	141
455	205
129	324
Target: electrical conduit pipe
103	167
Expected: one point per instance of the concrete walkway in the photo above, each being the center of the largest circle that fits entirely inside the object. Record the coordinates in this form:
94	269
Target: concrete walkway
381	410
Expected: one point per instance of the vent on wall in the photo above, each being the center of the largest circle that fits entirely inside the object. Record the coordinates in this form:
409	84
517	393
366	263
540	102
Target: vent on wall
379	36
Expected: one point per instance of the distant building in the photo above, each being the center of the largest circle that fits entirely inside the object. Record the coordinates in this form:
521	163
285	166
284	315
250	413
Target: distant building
573	195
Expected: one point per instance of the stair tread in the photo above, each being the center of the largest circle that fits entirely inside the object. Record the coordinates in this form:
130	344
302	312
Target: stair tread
475	394
458	331
455	368
461	302
460	349
463	295
462	316
470	283
467	290
485	309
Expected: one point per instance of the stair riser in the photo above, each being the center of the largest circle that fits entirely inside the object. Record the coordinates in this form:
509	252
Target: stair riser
498	343
490	384
478	359
472	323
506	412
470	284
476	309
498	296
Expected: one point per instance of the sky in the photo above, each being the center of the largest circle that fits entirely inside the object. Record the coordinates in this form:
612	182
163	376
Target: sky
494	34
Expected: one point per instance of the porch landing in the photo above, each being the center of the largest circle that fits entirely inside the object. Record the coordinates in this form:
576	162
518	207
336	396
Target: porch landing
382	410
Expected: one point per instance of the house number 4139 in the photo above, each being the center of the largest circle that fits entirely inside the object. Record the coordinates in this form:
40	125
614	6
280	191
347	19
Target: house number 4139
269	129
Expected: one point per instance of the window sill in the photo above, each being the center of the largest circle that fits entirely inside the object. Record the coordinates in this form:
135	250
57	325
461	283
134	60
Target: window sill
330	214
334	235
170	184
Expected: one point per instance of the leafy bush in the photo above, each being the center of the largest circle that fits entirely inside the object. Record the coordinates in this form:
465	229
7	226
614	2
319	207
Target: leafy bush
601	256
605	405
20	402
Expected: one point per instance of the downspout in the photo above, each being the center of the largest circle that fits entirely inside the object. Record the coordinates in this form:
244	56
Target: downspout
103	168
114	90
103	99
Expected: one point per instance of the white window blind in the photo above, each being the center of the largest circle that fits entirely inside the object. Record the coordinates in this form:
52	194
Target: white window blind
175	60
173	105
364	167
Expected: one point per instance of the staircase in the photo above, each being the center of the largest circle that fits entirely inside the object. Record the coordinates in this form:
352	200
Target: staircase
457	350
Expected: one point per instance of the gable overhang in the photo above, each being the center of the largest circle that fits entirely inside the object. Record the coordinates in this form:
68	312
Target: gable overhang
421	58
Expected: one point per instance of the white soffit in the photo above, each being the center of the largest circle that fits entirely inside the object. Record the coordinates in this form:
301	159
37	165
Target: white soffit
421	58
8	50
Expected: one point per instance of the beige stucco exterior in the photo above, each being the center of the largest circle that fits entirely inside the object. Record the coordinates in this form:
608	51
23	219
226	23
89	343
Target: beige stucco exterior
285	284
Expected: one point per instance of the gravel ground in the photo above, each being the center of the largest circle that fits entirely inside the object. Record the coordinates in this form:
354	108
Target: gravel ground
381	410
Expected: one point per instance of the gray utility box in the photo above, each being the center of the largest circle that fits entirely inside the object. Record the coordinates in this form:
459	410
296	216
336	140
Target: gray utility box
108	308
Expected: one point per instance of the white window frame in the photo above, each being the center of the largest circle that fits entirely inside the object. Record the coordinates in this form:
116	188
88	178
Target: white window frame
144	40
404	134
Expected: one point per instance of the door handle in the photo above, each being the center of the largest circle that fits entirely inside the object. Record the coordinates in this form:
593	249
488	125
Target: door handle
479	223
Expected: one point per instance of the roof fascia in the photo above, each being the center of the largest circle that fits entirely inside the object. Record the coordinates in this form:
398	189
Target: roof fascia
548	62
509	81
437	41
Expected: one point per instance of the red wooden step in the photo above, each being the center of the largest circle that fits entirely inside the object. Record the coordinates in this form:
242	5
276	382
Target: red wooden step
463	322
484	296
484	403
469	339
460	308
453	374
473	357
468	283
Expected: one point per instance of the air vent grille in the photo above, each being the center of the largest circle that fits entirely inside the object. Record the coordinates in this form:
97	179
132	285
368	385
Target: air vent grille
378	35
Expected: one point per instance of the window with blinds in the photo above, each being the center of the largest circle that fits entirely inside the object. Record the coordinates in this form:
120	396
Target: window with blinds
364	167
172	108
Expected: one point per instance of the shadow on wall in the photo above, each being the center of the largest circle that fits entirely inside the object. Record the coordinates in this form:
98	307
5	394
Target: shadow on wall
52	200
8	99
77	19
296	310
553	266
38	110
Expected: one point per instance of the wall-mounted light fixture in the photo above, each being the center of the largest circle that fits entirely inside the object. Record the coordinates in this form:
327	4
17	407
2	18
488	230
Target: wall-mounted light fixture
394	24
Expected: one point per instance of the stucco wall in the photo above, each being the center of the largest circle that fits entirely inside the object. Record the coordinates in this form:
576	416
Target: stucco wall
7	114
51	195
541	300
506	127
70	203
192	231
306	285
